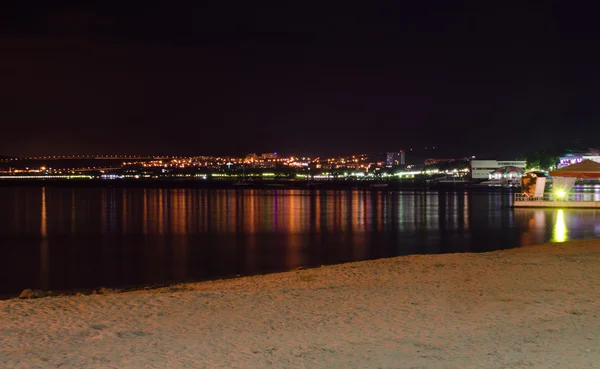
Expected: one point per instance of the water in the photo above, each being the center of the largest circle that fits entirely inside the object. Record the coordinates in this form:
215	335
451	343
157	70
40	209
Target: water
84	238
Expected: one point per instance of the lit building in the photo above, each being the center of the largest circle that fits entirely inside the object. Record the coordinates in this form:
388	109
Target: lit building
481	169
507	172
395	158
251	157
577	158
269	156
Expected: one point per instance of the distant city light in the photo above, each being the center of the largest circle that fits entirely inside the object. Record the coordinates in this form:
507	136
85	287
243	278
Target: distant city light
389	166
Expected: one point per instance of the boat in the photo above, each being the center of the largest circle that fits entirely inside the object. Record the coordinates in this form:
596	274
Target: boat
379	185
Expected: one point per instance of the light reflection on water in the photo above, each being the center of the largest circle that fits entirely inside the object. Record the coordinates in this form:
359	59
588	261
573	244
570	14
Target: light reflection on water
60	238
564	224
560	228
44	252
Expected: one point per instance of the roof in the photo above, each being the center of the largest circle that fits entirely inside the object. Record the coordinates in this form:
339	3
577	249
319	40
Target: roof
508	168
585	169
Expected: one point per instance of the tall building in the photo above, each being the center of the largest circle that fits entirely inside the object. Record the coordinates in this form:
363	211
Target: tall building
395	158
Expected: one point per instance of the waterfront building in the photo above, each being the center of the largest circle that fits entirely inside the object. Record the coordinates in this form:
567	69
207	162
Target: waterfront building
482	169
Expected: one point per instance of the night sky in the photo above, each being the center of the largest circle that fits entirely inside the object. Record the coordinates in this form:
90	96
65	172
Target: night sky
225	78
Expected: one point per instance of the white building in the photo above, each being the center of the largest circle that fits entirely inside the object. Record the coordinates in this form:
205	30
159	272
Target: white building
481	169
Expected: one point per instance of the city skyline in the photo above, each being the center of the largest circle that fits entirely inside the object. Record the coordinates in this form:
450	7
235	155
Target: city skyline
396	159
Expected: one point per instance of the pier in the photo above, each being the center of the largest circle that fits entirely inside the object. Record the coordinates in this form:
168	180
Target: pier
550	200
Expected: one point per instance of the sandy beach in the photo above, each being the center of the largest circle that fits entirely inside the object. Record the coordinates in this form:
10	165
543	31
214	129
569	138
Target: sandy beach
533	307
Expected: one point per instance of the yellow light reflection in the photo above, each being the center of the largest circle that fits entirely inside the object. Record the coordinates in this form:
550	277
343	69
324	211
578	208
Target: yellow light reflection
44	225
145	213
293	208
124	217
560	228
44	247
161	206
466	212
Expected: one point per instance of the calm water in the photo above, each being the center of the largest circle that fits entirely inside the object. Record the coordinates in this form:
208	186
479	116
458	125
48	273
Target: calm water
81	238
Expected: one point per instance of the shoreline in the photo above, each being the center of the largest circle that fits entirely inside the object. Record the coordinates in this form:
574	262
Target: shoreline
405	184
534	306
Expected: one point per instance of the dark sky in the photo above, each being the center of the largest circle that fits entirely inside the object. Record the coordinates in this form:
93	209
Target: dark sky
469	78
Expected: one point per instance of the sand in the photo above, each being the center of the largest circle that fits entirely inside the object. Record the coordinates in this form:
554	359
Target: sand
533	307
